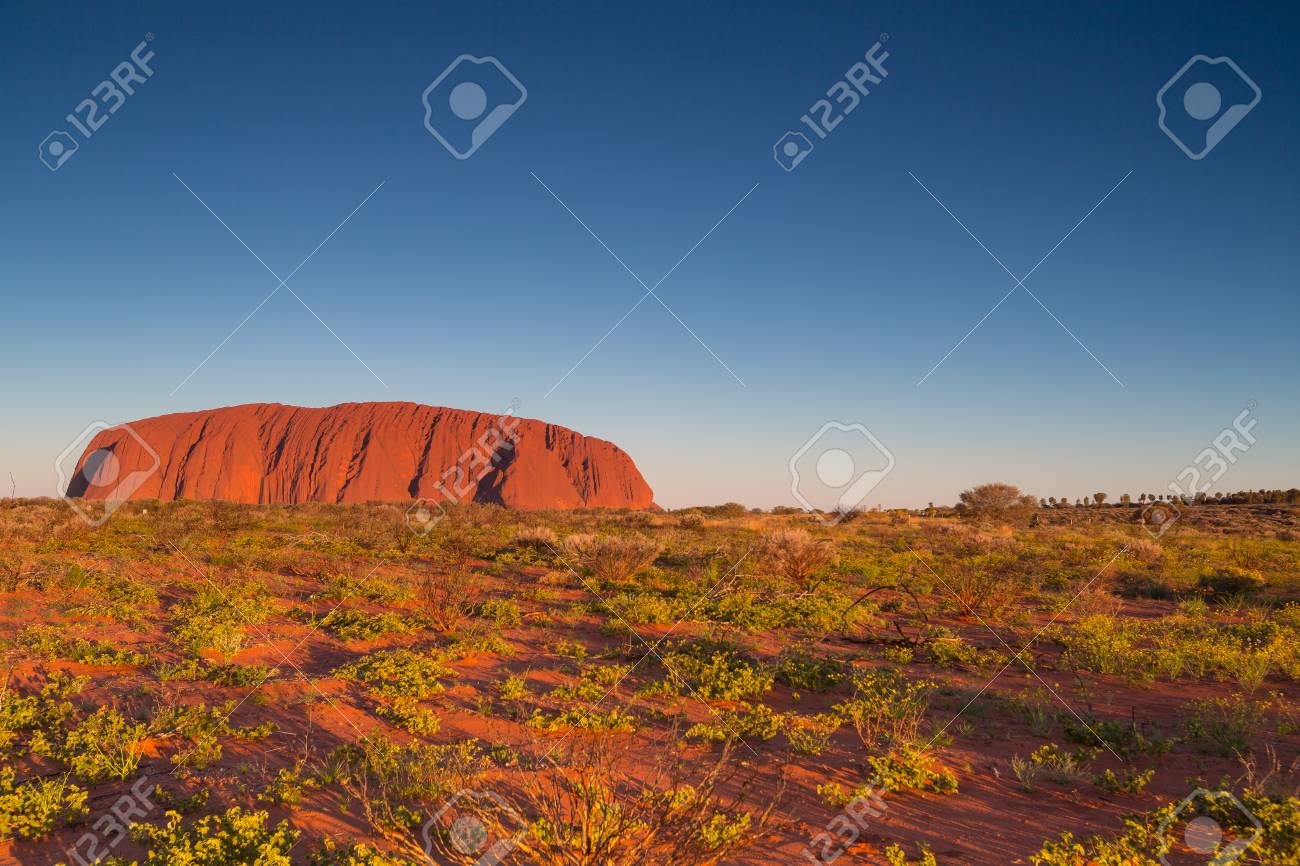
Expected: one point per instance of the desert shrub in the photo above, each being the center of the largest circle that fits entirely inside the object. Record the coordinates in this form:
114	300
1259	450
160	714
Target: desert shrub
1146	837
887	708
32	809
587	813
715	672
571	649
286	787
513	688
398	674
49	710
115	597
910	768
613	559
953	652
352	854
1139	584
234	838
216	619
746	722
896	856
537	537
614	721
47	641
348	624
447	598
407	714
1224	726
997	503
1231	580
1130	782
1126	738
502	611
811	735
103	746
804	671
341	587
795	554
593	684
1062	767
478	641
202	726
393	782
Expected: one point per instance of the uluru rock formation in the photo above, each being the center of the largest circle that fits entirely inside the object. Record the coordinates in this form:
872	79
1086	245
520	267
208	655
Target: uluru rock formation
356	452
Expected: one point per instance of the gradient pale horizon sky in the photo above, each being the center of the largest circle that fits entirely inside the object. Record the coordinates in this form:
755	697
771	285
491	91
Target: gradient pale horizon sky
830	290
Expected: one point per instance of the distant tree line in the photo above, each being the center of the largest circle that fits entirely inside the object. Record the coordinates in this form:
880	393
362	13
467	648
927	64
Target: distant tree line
1240	497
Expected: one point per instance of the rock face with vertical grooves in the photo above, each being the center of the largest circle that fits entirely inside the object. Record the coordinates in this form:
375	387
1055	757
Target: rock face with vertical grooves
357	452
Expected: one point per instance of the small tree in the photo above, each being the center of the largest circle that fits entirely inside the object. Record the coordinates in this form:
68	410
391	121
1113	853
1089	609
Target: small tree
997	502
1099	498
1125	499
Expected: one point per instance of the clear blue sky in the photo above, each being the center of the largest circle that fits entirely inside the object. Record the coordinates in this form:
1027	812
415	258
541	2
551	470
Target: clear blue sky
830	291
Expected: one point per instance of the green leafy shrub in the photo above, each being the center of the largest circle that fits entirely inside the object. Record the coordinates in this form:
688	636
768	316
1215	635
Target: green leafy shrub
807	672
32	809
1231	580
746	722
887	707
47	641
716	673
811	735
352	854
615	720
911	769
103	746
398	673
349	624
234	838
